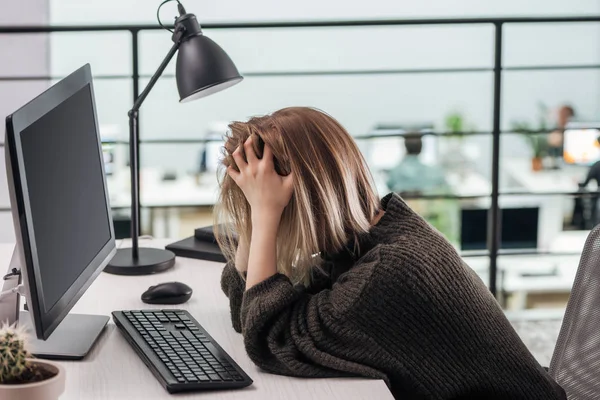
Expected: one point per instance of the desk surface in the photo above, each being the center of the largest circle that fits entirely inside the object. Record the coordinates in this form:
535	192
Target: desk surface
182	192
113	371
561	180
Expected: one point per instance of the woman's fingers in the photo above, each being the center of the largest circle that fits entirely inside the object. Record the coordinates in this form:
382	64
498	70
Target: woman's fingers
268	156
288	182
233	173
239	158
249	150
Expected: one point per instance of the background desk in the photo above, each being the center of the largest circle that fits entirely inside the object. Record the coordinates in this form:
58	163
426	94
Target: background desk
113	371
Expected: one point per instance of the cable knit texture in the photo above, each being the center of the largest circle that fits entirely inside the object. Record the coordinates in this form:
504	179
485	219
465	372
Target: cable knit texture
403	308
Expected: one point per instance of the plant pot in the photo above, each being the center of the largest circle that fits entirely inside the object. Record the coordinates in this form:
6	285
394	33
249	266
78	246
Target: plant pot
536	164
49	389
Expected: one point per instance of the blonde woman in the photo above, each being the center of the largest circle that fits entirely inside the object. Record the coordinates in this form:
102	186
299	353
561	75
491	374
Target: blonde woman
327	280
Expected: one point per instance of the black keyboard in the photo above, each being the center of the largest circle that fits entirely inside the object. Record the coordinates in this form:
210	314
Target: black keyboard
178	351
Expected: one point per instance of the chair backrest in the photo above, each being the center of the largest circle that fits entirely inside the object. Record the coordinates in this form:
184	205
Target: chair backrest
575	363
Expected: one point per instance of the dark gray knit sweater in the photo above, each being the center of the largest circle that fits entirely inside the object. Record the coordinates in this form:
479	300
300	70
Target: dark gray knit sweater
406	310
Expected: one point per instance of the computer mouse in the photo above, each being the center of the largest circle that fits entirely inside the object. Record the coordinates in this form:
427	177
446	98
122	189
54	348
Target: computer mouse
167	293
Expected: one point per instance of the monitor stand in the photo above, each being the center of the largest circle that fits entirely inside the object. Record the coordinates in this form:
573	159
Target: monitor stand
73	337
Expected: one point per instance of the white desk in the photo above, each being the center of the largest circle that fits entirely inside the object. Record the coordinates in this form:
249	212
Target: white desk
565	179
164	199
522	275
113	371
154	192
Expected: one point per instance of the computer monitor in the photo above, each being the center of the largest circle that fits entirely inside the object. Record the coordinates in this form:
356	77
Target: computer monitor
581	145
519	228
61	215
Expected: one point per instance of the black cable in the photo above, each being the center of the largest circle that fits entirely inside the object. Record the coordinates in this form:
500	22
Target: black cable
179	6
13	272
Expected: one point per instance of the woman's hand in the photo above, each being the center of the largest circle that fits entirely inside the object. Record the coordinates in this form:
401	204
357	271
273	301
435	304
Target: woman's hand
267	192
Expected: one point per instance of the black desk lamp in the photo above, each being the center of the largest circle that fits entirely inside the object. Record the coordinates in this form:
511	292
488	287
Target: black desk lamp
203	68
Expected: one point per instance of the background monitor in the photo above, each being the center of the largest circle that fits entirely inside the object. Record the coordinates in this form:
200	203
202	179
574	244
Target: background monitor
60	204
581	145
519	228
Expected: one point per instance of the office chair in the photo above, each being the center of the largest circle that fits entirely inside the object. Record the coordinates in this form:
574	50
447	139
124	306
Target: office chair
575	363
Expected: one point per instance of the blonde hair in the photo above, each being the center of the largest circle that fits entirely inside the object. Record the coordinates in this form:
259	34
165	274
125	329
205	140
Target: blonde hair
334	197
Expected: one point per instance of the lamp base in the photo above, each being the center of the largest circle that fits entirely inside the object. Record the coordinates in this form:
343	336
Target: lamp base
149	261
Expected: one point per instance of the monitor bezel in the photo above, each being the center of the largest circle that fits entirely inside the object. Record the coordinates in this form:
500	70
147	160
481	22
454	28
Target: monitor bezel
45	322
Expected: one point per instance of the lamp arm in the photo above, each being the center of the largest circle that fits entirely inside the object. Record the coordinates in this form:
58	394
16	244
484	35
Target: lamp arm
134	140
161	68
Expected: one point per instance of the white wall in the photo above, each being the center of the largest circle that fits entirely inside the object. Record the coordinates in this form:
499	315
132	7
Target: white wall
358	101
126	11
21	55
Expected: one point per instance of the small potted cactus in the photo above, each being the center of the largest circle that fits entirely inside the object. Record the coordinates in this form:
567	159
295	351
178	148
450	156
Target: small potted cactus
22	377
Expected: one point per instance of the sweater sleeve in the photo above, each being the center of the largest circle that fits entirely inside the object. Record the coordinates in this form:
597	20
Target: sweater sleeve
233	286
290	331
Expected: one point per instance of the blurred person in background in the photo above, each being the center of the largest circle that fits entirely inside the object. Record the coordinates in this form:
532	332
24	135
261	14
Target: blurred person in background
411	175
556	138
587	218
412	178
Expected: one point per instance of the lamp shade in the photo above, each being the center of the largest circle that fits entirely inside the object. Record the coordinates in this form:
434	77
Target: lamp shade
203	68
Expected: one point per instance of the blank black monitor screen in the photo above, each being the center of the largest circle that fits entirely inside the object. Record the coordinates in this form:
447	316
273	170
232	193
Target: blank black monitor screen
519	228
68	203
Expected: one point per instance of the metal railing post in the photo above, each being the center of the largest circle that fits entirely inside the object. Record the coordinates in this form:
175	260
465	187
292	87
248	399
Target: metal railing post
494	212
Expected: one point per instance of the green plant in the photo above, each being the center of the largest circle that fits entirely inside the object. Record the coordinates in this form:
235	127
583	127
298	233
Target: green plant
14	364
455	124
537	142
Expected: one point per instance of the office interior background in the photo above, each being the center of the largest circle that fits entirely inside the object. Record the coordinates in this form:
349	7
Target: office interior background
380	81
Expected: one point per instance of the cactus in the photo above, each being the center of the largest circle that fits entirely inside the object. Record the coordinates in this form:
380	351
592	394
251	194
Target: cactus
14	356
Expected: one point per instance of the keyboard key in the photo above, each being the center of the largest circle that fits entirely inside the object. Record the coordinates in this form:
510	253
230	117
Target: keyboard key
214	377
226	377
204	378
